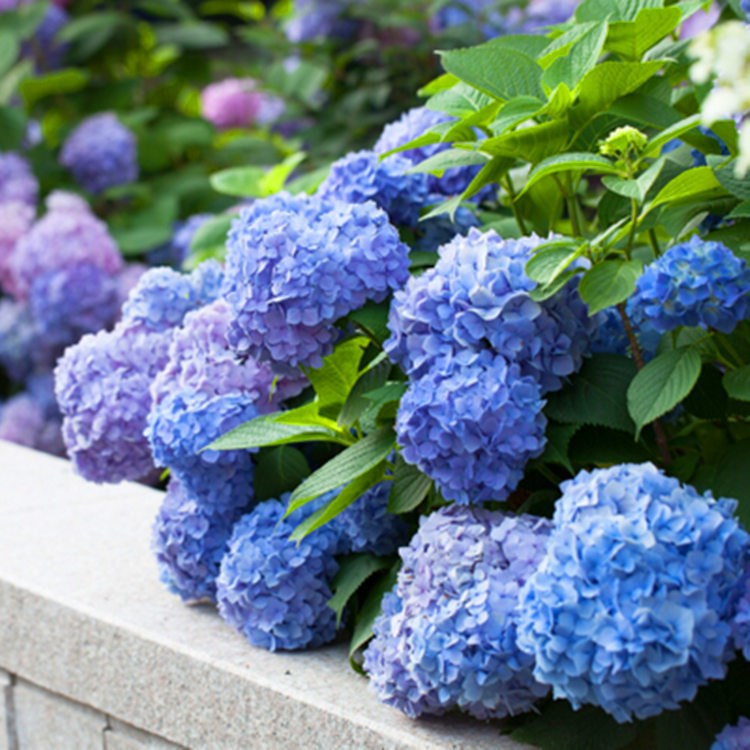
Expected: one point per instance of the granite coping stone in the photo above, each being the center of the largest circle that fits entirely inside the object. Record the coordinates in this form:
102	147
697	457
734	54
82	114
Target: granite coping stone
82	613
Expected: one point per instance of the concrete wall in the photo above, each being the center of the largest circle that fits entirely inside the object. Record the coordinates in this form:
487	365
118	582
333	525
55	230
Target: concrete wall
94	653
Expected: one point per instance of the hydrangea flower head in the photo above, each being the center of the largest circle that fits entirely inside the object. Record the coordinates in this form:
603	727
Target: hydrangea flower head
446	638
19	346
273	590
101	153
734	736
741	620
189	540
629	608
102	386
317	19
361	176
68	235
477	298
473	427
17	181
695	283
16	219
237	103
296	264
24	420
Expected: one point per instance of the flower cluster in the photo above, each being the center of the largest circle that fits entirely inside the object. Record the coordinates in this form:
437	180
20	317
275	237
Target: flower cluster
741	620
472	427
317	19
695	283
17	181
26	420
189	539
16	219
101	153
237	103
447	635
734	736
629	608
296	264
273	590
361	176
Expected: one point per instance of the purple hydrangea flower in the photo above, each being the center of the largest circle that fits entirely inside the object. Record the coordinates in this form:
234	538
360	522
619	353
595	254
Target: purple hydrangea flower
318	19
477	298
101	153
296	264
411	125
695	283
446	638
189	539
237	103
734	736
24	420
430	234
539	14
102	386
48	53
472	428
69	235
741	620
629	609
19	349
69	302
17	181
276	591
361	176
16	219
483	15
745	5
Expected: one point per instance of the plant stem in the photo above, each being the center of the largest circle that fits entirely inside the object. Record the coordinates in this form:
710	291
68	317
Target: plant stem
654	242
516	213
659	434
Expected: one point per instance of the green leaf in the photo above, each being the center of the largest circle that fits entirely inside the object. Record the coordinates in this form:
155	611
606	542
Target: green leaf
708	399
91	32
351	463
461	100
739	187
601	446
545	291
515	112
556	448
354	570
662	384
699	181
481	68
551	259
279	470
488	174
637	188
23	20
334	380
532	144
410	487
656	143
613	10
581	58
266	430
560	45
357	402
728	477
192	34
456	157
9	49
210	238
570	162
65	81
255	182
609	283
596	395
371	608
631	39
737	383
12	128
348	495
609	81
372	318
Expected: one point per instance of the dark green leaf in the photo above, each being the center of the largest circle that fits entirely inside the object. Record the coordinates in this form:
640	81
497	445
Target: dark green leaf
737	383
357	402
609	283
209	240
728	477
707	400
570	162
596	395
371	608
334	380
531	144
699	181
737	186
551	259
64	81
9	49
602	446
279	470
662	384
556	449
192	34
372	318
353	572
410	487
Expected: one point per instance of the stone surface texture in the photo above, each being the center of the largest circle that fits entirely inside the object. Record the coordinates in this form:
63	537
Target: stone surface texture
7	725
119	736
82	614
45	721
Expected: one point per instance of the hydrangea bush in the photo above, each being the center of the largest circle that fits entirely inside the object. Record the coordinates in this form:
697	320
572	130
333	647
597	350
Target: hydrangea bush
464	383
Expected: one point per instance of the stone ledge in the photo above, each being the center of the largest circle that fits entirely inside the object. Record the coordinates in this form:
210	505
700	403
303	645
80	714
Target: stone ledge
82	614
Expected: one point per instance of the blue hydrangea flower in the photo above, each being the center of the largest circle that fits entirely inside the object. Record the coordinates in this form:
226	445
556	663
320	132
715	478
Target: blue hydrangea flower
741	620
477	298
19	348
734	736
318	19
68	235
68	302
745	5
17	181
24	420
610	336
695	283
162	297
411	125
101	153
629	609
102	386
430	234
446	638
48	53
276	591
483	15
296	264
539	14
16	219
473	428
361	176
189	539
174	252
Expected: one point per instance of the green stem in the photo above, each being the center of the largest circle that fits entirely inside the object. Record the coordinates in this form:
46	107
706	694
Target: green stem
654	242
729	347
516	213
633	227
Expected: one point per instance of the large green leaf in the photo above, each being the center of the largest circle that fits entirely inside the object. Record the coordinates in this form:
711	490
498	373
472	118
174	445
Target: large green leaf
596	395
334	380
354	570
460	101
209	240
9	49
631	39
609	283
532	144
679	128
560	45
279	470
253	181
354	461
456	157
410	487
699	181
737	383
570	162
662	384
551	259
496	70
515	112
613	10
635	188
357	403
580	59
369	611
64	81
192	34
